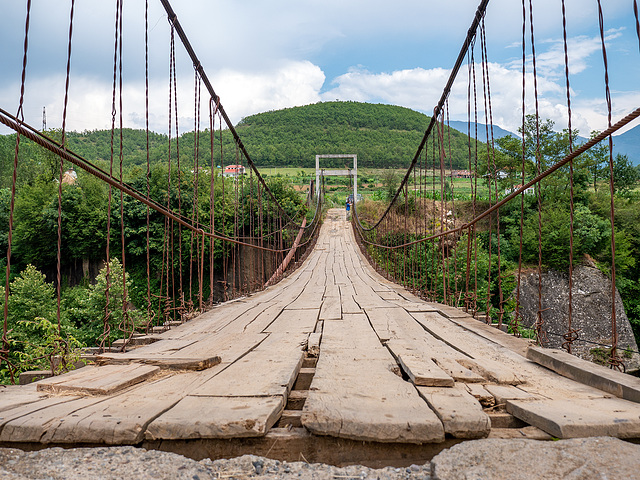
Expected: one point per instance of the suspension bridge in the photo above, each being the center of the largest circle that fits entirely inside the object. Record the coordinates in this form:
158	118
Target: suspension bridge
339	341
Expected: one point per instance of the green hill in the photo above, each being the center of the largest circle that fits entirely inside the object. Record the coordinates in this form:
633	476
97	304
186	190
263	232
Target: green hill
381	135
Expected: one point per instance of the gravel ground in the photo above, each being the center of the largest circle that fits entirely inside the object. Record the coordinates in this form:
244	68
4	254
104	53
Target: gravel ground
115	463
598	458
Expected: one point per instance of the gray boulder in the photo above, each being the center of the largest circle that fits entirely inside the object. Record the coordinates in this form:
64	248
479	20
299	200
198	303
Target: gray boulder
520	459
591	312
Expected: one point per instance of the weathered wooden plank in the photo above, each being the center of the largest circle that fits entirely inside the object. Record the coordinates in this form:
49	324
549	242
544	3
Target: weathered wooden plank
331	308
597	376
309	299
371	301
122	419
481	394
515	344
14	396
420	369
455	370
358	397
502	393
573	418
268	370
460	413
32	424
479	351
399	324
410	306
98	380
313	344
217	417
294	321
383	322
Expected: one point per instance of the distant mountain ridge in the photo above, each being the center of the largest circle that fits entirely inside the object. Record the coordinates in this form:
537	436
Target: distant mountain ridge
627	143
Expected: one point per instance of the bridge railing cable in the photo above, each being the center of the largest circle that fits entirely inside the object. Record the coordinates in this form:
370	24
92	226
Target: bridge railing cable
448	246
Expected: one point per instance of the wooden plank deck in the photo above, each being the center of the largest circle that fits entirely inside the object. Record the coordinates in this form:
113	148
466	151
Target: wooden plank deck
375	363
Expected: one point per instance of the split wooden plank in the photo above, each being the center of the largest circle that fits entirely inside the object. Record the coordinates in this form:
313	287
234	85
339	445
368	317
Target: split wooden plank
263	320
217	417
349	306
98	380
30	424
503	393
121	419
331	308
313	344
420	369
483	357
573	418
460	413
309	299
356	396
294	321
397	323
268	370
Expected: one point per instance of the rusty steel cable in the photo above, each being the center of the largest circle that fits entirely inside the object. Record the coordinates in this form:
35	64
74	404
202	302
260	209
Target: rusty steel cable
635	14
614	360
4	349
561	163
471	33
572	334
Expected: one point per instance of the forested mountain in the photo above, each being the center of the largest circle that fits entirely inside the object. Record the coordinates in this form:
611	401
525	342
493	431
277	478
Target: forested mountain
381	135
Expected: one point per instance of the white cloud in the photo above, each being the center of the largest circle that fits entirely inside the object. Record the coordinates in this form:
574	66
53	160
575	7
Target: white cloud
90	100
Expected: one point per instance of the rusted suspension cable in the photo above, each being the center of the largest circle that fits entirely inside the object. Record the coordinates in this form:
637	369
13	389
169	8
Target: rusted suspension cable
4	348
614	360
578	151
515	324
27	131
471	34
173	18
572	334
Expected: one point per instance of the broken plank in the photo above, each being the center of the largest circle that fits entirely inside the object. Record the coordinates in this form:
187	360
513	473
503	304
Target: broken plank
313	344
503	393
460	413
268	370
481	394
358	397
420	369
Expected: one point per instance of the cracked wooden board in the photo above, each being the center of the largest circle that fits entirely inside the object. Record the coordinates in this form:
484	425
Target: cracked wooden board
217	417
360	398
460	413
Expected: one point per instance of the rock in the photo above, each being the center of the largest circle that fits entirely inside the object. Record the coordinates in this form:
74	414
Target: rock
591	311
518	459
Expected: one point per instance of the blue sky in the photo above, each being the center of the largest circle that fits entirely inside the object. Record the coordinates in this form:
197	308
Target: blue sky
264	55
